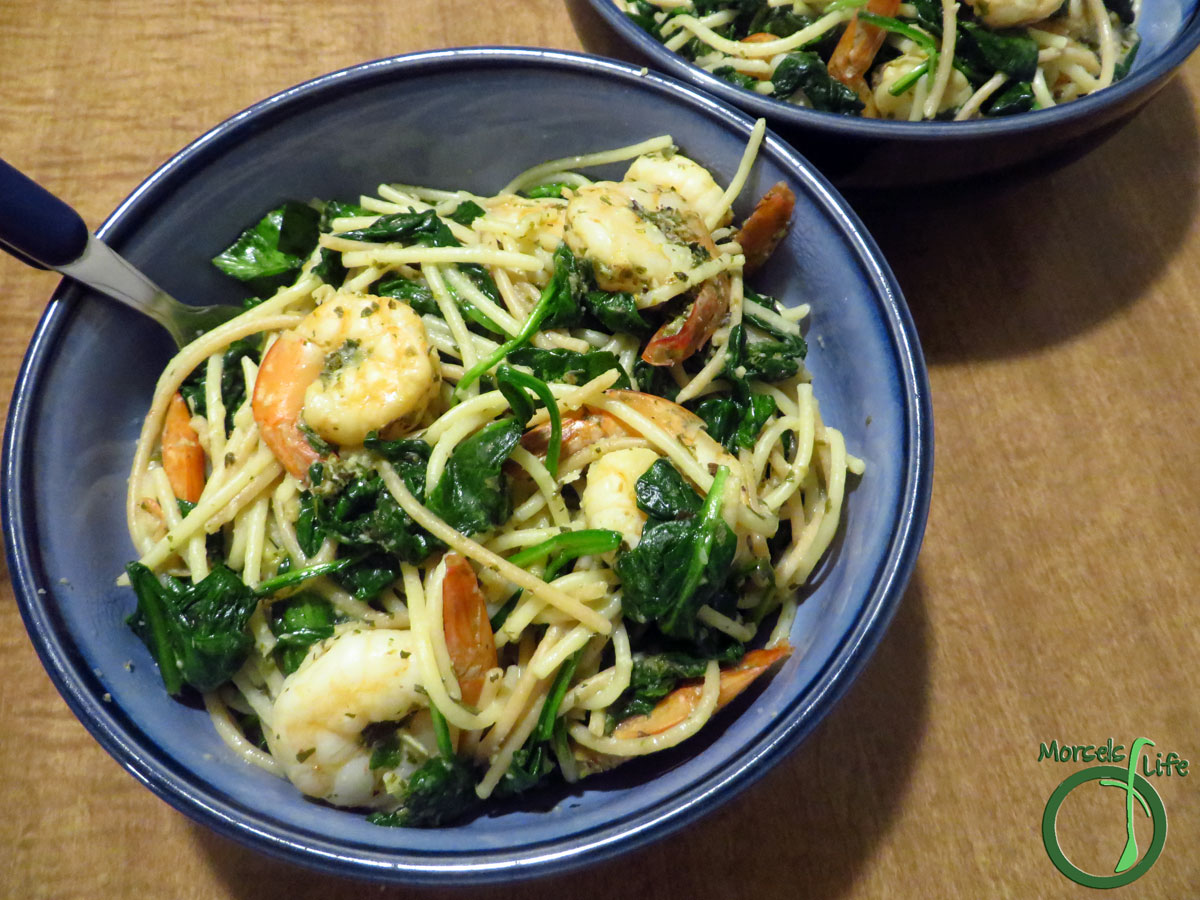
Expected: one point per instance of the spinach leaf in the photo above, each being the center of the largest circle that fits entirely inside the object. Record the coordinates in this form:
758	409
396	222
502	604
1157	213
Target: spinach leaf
736	423
616	312
678	566
466	212
330	269
665	494
440	792
362	514
422	228
736	78
929	16
574	279
415	293
1010	52
569	366
1016	98
335	209
197	632
654	380
472	494
805	70
512	384
772	359
233	383
529	766
270	254
298	623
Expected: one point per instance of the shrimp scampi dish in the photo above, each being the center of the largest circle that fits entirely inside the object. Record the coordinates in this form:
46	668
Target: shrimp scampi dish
914	60
483	491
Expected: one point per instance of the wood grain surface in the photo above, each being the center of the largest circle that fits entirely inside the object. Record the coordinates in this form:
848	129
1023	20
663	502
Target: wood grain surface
1052	599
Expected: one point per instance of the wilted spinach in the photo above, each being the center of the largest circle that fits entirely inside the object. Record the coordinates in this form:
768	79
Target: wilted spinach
472	494
682	562
440	792
298	623
196	631
805	70
569	366
270	254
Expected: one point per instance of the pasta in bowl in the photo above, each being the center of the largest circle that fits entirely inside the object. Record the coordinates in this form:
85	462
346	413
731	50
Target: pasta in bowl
90	376
491	489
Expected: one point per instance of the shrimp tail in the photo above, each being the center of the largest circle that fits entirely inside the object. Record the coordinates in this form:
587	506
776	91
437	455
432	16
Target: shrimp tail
681	337
678	704
766	226
289	367
182	455
469	638
856	50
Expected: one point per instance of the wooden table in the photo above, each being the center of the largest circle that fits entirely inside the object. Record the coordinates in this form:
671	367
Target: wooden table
1050	602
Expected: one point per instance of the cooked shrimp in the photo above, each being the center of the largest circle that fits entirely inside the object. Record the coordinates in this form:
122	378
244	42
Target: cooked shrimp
648	232
346	683
370	675
532	224
1011	13
686	177
608	499
637	236
761	233
677	705
958	90
356	364
182	455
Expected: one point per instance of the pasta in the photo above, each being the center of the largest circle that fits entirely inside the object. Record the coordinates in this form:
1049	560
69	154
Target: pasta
431	522
911	60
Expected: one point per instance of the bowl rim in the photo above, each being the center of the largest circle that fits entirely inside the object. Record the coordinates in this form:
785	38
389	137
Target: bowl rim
783	114
182	790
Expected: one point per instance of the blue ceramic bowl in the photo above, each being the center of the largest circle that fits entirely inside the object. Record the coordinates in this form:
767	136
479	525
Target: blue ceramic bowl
857	153
456	118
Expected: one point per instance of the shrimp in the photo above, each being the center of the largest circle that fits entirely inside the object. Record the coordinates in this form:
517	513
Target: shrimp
356	364
686	177
637	236
958	90
361	676
182	455
608	500
677	705
648	232
353	679
1011	13
532	224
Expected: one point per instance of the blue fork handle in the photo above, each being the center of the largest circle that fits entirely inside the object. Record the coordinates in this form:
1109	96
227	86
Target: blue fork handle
35	226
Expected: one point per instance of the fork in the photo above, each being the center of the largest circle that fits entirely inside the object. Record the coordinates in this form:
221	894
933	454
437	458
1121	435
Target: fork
42	231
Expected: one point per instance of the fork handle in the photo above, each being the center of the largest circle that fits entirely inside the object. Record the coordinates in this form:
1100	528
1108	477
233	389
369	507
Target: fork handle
35	226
